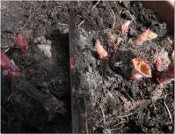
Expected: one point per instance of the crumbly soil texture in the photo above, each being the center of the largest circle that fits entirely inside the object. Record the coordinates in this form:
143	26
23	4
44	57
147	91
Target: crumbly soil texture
39	99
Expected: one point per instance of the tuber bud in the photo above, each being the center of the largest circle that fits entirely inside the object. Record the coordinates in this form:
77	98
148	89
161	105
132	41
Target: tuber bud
5	61
21	42
125	26
140	69
167	76
145	36
100	50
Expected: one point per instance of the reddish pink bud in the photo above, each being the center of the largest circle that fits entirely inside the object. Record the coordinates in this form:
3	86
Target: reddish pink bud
12	74
172	56
111	36
158	63
118	41
145	36
167	76
72	63
100	50
5	61
170	71
162	60
125	26
21	42
140	69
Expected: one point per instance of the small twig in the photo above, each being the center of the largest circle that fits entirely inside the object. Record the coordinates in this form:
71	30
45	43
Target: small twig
133	19
80	23
114	18
169	113
95	5
120	123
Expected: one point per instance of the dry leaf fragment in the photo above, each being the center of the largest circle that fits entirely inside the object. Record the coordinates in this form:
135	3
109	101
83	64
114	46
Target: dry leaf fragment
145	36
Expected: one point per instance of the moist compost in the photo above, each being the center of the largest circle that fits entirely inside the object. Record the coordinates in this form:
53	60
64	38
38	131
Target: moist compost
40	100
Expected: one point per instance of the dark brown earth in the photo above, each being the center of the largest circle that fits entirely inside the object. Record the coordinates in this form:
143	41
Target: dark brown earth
40	96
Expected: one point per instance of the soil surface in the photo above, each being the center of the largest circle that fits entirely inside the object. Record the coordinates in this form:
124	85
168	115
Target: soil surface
40	100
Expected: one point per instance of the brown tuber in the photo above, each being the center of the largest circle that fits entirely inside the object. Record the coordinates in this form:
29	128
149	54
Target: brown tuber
145	36
100	50
140	69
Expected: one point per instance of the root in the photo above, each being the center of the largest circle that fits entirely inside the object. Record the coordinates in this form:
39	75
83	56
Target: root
30	16
81	23
10	96
121	122
127	115
114	18
86	124
168	110
95	5
102	111
133	19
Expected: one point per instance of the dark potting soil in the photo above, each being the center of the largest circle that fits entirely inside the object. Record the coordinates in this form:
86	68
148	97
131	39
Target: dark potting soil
40	95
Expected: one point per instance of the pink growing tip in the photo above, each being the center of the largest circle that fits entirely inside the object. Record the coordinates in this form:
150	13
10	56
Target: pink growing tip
5	61
125	26
21	42
12	74
145	36
100	50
